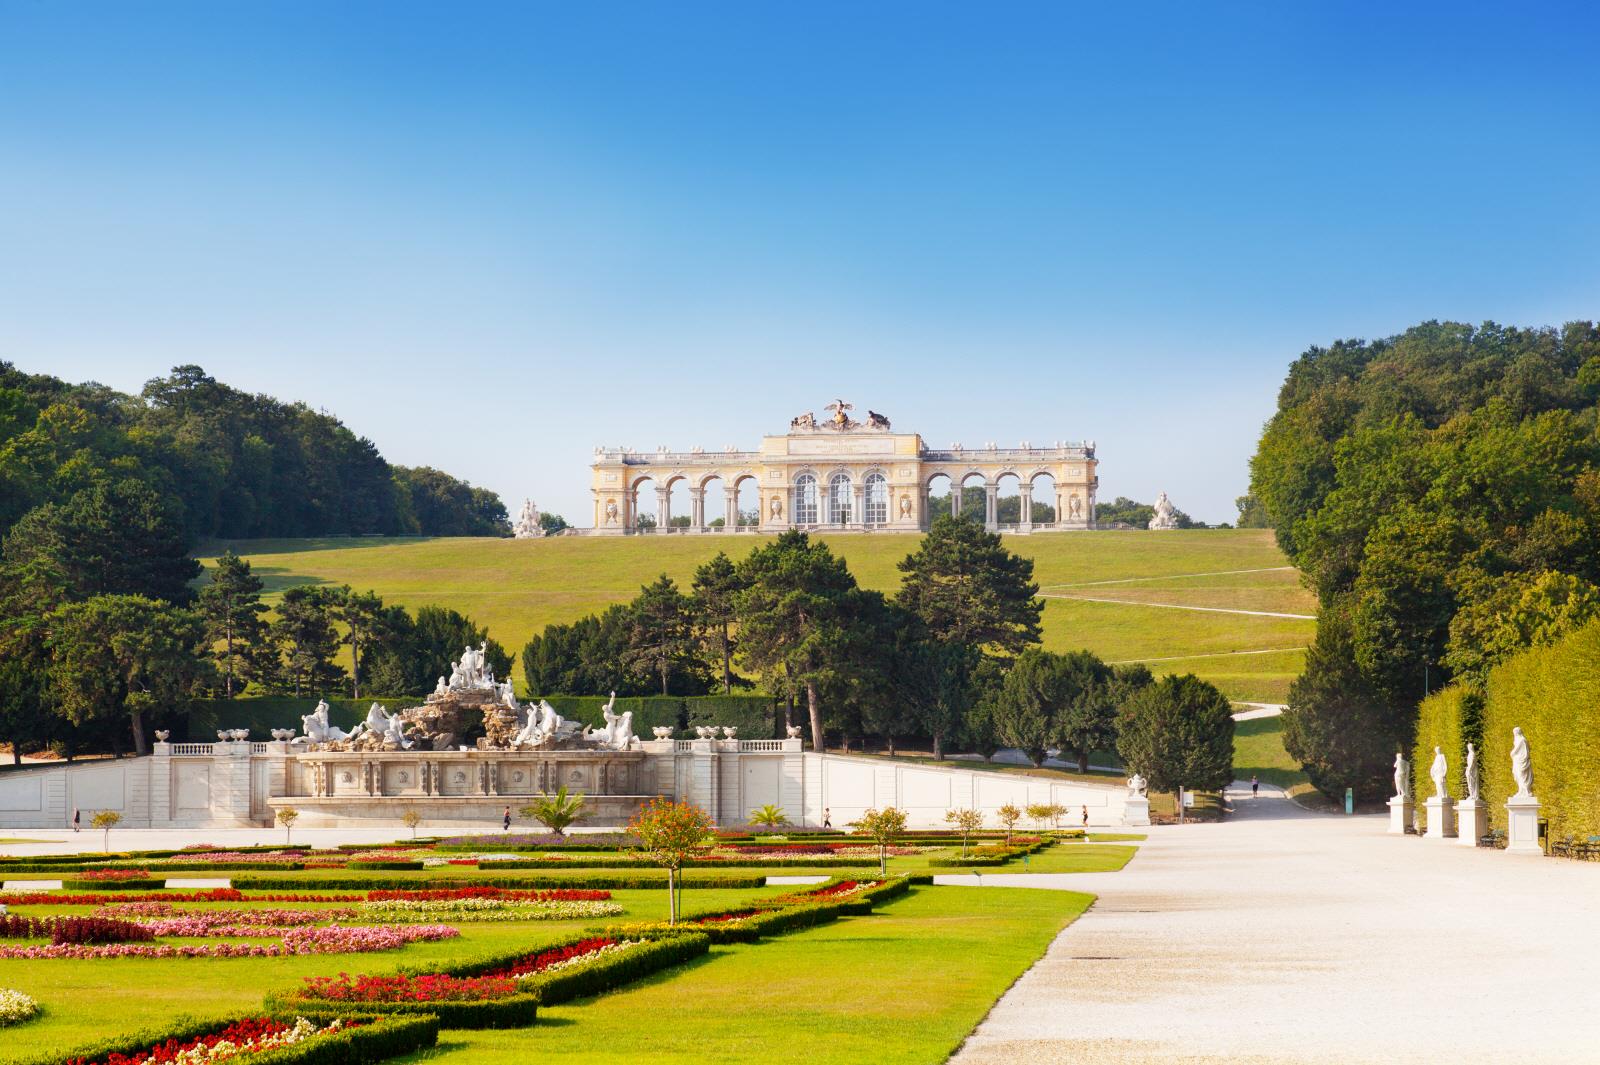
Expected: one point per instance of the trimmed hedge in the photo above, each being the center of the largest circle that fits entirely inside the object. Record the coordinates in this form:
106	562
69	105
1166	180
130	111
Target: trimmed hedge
262	714
210	867
513	1011
77	884
38	867
598	881
378	1039
752	715
1447	719
970	861
625	862
605	973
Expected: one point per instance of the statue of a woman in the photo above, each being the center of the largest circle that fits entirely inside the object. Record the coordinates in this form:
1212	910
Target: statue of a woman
1521	763
1473	781
1438	772
1402	777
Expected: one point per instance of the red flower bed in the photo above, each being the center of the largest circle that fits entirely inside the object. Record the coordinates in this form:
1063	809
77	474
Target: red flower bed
796	848
430	987
843	887
554	956
50	898
484	892
74	930
248	1031
719	918
115	874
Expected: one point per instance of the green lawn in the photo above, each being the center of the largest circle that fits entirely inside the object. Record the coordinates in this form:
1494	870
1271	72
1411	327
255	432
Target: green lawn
516	587
901	987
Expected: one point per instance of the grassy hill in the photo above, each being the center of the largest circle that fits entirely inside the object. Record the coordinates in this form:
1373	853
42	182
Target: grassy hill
1173	599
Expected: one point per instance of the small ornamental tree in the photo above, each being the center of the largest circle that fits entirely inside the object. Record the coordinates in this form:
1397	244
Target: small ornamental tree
884	827
287	817
669	834
1057	812
967	822
107	820
1040	814
769	816
555	812
411	819
1178	733
1008	816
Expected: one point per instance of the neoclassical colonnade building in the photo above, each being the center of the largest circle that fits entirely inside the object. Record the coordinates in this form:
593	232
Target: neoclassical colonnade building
839	474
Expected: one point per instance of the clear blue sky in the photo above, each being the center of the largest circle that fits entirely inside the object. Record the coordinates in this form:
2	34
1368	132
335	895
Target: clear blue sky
491	236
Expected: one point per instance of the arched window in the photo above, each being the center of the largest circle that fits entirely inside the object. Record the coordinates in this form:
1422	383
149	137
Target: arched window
877	499
839	499
805	500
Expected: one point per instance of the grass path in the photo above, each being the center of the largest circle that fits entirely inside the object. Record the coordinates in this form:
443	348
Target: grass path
902	987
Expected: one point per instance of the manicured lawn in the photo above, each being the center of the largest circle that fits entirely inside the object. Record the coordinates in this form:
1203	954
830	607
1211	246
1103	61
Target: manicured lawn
516	587
1065	858
90	999
1258	751
901	987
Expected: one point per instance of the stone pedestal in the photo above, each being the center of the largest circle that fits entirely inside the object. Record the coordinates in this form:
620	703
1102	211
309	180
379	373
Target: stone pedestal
1472	821
1136	810
1522	825
1441	817
1400	813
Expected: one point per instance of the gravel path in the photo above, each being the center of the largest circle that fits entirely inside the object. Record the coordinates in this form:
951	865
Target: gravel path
1287	936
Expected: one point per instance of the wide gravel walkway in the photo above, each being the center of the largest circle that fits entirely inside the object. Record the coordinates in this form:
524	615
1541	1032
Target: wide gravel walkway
1285	936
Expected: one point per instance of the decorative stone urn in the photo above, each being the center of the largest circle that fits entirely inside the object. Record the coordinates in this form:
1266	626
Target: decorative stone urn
662	732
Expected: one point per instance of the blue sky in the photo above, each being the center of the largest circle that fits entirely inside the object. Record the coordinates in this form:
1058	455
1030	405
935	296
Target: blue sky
490	237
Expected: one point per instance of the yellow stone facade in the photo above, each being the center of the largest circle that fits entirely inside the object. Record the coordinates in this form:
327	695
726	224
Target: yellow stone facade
839	475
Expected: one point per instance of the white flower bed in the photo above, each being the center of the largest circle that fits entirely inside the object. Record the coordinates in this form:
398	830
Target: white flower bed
15	1007
408	910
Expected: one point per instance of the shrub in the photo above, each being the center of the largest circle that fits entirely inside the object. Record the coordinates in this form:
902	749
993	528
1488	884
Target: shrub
15	1007
361	863
82	884
373	1039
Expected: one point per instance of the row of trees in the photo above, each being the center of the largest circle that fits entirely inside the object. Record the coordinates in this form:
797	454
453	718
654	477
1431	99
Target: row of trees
1440	492
223	463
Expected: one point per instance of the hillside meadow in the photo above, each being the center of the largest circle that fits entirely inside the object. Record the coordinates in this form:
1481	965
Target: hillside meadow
1125	595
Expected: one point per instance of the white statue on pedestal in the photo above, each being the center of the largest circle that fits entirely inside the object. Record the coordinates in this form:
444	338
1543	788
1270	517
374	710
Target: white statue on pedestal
1166	515
471	672
792	731
1402	777
527	524
317	727
1521	764
1473	780
1438	772
617	733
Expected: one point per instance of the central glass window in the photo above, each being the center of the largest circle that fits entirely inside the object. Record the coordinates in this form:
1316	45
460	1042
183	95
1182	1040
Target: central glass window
877	499
839	499
805	500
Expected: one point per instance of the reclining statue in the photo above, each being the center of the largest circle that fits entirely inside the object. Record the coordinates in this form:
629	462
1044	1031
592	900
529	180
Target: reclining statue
317	727
617	732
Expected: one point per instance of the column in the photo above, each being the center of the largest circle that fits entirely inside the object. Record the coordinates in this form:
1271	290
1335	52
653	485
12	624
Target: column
955	500
730	518
663	509
858	507
1025	508
697	509
991	508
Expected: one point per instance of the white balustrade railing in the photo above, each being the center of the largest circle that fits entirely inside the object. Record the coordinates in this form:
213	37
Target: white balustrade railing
761	745
192	748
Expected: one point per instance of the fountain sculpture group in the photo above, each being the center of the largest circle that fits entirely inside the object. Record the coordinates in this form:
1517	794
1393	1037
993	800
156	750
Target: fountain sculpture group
1467	820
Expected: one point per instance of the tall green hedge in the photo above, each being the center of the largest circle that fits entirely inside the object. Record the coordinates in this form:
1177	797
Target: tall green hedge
1447	719
1553	694
752	715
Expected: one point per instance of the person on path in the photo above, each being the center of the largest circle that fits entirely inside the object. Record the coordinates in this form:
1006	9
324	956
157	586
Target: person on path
827	821
506	826
1255	787
1086	816
77	819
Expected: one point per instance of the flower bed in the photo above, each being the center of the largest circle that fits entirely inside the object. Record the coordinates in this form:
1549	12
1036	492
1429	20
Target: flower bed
650	878
115	874
355	1040
85	883
483	909
48	898
589	964
521	841
470	1002
15	1007
332	939
487	892
73	930
992	854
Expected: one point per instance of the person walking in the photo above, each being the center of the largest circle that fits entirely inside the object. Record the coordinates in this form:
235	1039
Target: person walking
1255	787
77	819
1085	816
827	821
506	826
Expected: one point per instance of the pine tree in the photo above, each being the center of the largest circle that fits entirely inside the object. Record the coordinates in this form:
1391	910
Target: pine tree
716	592
232	607
304	630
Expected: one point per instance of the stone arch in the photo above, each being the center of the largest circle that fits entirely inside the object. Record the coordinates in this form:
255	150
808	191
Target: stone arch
644	503
839	498
876	507
1043	484
805	498
710	498
1008	498
747	500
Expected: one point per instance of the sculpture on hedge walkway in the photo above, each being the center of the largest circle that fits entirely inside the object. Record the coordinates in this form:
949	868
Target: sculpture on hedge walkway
1521	763
318	729
1402	777
1137	784
1438	772
1166	515
527	524
1473	780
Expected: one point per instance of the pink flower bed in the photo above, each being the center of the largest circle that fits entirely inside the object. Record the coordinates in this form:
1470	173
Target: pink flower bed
114	874
332	939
